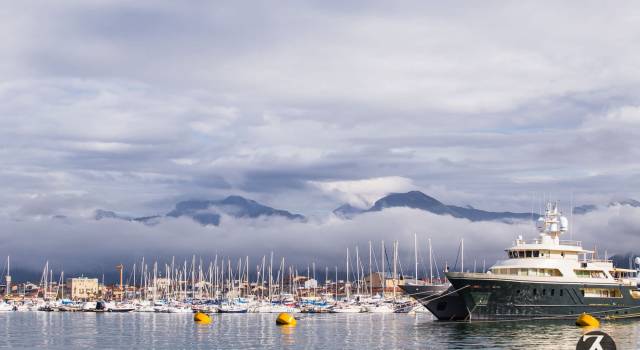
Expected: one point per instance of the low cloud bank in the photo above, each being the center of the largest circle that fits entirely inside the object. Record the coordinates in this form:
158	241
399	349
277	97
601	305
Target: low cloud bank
95	247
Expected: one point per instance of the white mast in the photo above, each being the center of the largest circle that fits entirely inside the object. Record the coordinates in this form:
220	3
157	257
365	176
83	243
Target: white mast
415	251
461	254
395	268
155	280
8	276
382	277
358	270
370	273
62	285
430	264
270	276
347	281
336	267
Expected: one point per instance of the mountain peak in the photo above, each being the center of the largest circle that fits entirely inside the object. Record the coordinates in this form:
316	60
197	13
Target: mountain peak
347	211
100	214
421	201
208	212
235	199
411	199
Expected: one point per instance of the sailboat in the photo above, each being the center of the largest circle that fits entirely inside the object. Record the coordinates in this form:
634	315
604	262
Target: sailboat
348	305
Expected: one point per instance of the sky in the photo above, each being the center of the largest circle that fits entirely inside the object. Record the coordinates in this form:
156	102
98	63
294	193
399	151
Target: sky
304	106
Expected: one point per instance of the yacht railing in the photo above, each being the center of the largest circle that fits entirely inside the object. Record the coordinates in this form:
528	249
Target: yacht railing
572	243
539	241
600	260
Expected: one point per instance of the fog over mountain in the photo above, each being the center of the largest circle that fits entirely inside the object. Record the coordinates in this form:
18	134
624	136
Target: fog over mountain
132	107
93	247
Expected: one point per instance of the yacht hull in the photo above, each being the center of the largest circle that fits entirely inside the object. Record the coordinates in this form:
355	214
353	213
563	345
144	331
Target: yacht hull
495	298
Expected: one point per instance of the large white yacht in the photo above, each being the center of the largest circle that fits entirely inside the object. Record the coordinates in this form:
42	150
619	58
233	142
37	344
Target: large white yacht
546	277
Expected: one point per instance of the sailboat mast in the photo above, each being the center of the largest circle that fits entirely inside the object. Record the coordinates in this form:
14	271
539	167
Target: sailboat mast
357	271
8	276
430	264
395	272
336	267
370	273
270	276
415	251
462	255
382	276
155	280
347	280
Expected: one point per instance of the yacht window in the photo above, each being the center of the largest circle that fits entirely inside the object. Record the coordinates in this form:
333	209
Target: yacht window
544	292
553	291
590	274
601	293
528	252
521	254
535	291
536	253
561	292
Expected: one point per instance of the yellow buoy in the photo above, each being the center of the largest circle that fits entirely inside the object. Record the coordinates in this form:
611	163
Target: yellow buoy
586	320
285	319
201	317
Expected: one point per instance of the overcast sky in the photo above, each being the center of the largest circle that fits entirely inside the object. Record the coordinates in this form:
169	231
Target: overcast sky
131	106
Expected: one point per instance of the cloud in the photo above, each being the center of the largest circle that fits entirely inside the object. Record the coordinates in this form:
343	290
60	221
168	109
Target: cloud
132	107
93	247
363	193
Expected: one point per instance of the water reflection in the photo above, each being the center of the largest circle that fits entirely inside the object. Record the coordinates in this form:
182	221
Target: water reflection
288	335
257	331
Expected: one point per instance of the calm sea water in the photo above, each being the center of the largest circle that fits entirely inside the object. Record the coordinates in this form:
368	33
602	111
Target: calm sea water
320	331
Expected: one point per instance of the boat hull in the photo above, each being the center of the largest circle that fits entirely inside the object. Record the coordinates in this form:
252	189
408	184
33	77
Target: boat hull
441	300
488	297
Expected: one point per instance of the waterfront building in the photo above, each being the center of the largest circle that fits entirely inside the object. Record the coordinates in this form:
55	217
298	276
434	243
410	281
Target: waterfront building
82	288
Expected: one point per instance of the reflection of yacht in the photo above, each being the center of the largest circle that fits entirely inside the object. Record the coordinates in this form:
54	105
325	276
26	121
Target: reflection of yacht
548	277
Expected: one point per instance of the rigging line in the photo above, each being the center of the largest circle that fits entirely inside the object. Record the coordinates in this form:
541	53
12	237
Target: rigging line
438	296
387	257
375	259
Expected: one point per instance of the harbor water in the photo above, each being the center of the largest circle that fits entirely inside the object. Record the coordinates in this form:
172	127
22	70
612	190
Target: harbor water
80	330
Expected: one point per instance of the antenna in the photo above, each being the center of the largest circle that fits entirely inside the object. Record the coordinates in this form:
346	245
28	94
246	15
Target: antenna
571	219
533	201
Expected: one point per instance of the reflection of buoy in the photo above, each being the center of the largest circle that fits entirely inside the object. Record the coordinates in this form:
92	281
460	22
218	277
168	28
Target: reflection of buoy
586	320
285	319
201	317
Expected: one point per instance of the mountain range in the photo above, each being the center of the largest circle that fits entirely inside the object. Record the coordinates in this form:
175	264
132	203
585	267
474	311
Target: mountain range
209	212
419	200
587	208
